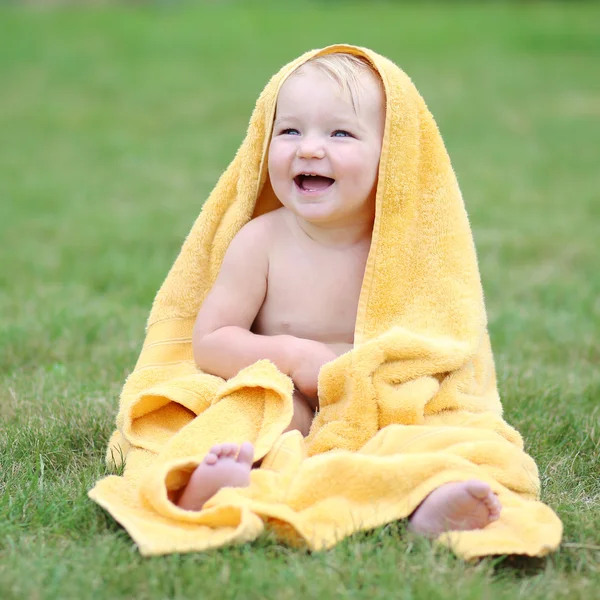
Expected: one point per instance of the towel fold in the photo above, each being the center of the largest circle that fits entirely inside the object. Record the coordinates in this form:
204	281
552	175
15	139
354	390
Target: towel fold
413	406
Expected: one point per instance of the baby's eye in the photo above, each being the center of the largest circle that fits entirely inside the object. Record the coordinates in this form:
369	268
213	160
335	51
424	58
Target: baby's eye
341	133
290	131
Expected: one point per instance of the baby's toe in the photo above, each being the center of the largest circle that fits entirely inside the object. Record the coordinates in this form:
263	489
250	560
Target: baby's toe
246	454
478	489
226	450
230	450
218	451
212	457
494	506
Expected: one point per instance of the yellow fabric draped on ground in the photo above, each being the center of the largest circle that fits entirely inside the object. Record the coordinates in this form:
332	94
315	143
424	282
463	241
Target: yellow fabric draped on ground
412	406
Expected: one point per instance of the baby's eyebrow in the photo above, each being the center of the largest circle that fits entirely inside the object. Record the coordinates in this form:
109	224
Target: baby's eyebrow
283	119
346	122
338	122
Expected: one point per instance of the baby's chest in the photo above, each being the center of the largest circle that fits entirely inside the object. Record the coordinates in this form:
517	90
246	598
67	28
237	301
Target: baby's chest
315	299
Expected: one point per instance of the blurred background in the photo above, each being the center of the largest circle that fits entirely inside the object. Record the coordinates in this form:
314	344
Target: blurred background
117	118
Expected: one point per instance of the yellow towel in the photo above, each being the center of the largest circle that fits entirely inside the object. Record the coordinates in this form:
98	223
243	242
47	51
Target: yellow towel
413	406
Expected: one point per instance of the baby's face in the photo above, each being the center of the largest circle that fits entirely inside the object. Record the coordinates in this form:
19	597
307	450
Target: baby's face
324	153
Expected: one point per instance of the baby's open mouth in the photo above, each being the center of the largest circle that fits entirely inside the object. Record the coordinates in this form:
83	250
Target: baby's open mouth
313	183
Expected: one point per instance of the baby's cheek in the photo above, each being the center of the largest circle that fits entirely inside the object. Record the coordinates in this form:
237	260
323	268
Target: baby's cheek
362	171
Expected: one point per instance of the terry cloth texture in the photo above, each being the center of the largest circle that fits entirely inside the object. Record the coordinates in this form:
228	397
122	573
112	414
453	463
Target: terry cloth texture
413	406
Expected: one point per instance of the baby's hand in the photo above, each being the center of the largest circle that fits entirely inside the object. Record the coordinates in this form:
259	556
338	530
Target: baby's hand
309	357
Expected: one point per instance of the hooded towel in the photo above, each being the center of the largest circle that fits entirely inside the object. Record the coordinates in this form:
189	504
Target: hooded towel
413	406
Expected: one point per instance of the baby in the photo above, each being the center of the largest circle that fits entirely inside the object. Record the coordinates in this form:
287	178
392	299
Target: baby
290	281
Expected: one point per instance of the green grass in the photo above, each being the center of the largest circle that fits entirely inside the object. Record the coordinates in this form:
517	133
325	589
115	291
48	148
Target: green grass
115	124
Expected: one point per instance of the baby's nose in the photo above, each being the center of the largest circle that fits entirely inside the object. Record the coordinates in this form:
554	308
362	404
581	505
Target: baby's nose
310	148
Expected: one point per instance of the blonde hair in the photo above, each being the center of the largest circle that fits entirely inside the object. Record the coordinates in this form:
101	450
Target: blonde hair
345	69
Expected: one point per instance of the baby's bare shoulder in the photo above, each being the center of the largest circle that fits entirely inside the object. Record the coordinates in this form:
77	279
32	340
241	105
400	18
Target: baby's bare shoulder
248	254
257	233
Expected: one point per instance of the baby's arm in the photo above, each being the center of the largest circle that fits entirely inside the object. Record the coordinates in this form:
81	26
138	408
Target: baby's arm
222	341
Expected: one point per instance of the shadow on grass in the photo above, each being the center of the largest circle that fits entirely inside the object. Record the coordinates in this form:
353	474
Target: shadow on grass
518	566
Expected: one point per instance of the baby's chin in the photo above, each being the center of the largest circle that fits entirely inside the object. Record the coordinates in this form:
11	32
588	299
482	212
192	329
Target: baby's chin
328	210
329	217
316	212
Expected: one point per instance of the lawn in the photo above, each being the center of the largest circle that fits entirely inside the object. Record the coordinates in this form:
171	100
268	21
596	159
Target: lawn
115	123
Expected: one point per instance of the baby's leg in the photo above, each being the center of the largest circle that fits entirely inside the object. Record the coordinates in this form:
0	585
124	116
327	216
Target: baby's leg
303	415
220	468
456	506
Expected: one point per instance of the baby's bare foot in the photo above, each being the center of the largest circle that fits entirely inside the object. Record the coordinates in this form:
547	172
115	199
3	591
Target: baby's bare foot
456	506
220	468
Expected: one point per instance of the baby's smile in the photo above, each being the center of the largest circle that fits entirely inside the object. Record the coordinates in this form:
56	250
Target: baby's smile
313	184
